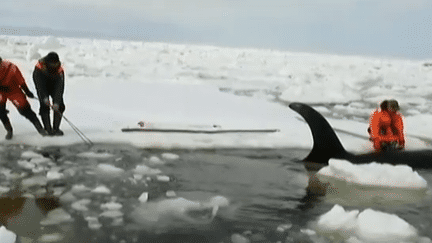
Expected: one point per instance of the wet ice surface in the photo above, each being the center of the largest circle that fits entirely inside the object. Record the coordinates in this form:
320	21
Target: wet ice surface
119	193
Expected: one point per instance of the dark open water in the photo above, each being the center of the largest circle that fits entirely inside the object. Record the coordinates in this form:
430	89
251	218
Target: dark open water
266	188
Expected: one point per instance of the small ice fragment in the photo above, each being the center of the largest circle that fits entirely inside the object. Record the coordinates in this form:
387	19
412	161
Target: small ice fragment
111	169
308	232
155	160
117	222
56	216
169	156
219	200
93	223
67	197
102	190
79	188
54	175
111	206
93	155
145	170
4	189
284	227
25	164
144	197
163	178
35	181
112	214
171	194
81	205
237	238
137	176
40	160
7	236
55	237
30	155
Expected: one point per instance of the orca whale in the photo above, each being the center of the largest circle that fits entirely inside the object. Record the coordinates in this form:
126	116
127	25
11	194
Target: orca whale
327	145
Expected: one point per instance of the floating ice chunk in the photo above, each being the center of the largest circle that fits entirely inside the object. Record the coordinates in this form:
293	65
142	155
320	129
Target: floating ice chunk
111	206
93	223
112	214
40	160
25	164
102	190
81	205
238	238
337	217
56	216
155	161
30	155
367	226
94	155
145	170
67	197
54	175
79	188
4	189
170	194
33	181
110	169
144	197
117	222
219	201
163	178
170	156
372	174
55	237
7	236
375	226
284	227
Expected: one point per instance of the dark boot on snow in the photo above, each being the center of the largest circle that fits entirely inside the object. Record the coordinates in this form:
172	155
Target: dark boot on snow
9	129
47	122
29	114
56	124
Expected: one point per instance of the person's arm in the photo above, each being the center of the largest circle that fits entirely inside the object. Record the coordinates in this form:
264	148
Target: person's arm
400	130
59	89
40	83
20	81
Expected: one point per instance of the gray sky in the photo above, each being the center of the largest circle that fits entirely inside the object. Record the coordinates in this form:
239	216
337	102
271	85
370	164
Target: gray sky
390	28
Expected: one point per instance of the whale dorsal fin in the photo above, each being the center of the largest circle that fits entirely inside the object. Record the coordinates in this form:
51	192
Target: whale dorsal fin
326	144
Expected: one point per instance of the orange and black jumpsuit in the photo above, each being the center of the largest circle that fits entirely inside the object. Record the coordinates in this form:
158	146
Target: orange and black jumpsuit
13	87
386	127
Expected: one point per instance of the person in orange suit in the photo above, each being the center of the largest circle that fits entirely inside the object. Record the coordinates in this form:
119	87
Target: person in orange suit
14	88
386	128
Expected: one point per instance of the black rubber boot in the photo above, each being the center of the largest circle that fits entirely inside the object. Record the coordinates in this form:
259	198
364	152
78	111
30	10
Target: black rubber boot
56	124
8	126
29	114
47	122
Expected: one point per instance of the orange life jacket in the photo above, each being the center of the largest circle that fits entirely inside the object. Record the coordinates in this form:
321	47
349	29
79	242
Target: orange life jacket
10	76
386	126
42	66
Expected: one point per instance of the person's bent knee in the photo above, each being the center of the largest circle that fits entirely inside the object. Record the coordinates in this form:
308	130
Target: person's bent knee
62	108
43	109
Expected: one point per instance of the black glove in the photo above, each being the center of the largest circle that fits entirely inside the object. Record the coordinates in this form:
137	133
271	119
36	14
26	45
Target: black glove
28	92
30	95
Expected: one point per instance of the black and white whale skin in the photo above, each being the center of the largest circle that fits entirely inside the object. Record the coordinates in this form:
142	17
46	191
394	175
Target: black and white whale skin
327	145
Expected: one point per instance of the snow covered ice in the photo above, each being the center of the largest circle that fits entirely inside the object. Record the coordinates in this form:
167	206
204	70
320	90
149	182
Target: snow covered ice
111	85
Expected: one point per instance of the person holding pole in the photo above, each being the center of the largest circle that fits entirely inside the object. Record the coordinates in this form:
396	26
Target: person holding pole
48	77
14	88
